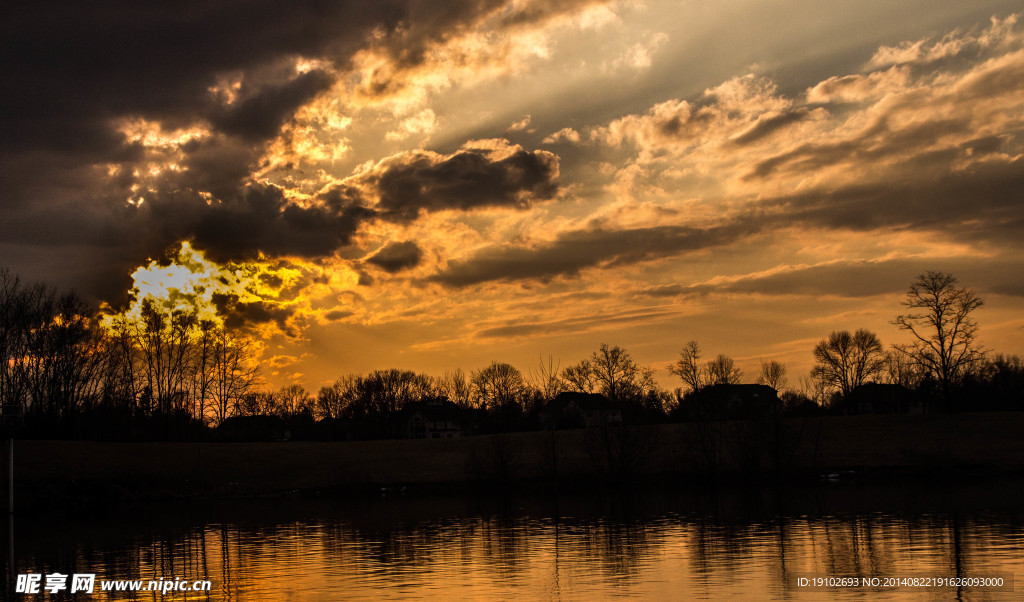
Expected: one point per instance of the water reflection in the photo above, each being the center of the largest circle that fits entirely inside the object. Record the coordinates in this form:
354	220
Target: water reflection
667	546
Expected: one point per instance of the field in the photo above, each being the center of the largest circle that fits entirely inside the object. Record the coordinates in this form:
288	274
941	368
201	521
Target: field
61	472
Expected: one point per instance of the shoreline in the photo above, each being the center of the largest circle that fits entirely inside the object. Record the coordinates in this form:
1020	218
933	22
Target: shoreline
840	448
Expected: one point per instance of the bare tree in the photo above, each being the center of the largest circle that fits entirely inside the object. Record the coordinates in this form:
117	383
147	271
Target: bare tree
51	351
234	371
331	400
900	369
580	378
547	378
940	321
814	388
293	400
773	374
456	387
618	376
257	403
689	367
383	394
499	386
723	371
845	361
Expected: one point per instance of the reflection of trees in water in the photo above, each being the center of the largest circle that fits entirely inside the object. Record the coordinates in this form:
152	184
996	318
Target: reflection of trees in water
246	560
856	545
400	546
616	547
717	548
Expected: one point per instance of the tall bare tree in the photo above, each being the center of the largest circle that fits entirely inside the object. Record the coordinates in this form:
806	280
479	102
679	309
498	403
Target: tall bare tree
844	361
499	386
580	378
332	400
723	371
689	367
619	377
773	374
939	318
293	400
456	387
547	378
233	372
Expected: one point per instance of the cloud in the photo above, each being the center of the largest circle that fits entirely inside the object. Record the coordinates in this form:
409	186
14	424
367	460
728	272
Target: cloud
234	77
260	116
936	205
769	123
566	134
638	56
576	324
421	123
575	250
852	279
259	220
397	256
520	125
482	174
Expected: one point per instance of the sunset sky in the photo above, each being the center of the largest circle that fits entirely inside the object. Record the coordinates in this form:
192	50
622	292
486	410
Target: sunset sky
432	185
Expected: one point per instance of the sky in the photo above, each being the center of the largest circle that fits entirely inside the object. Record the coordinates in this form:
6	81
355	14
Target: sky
431	186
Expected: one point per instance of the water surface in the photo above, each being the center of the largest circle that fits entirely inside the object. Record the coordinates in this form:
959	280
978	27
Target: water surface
668	545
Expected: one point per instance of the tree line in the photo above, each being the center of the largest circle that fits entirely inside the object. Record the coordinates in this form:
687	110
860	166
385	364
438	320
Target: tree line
164	371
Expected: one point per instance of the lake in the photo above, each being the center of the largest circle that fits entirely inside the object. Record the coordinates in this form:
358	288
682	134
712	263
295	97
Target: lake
756	543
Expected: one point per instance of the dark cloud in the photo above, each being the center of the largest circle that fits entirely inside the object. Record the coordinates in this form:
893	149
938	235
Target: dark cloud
573	324
238	314
468	179
74	72
977	203
397	256
768	125
872	145
261	116
854	279
259	219
573	251
69	65
262	221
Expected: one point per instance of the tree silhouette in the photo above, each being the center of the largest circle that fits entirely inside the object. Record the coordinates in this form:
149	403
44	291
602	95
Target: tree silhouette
618	376
845	361
332	400
547	378
773	374
689	367
941	323
455	387
499	386
723	371
580	378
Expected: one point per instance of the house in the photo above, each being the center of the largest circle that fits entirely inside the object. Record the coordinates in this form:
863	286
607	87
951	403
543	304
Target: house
571	409
731	402
253	428
433	419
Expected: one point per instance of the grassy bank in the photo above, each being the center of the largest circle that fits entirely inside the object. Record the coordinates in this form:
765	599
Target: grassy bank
77	471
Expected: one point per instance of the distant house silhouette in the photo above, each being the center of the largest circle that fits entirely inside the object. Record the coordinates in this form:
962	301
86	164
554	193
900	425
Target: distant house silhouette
877	398
571	409
253	428
731	402
434	419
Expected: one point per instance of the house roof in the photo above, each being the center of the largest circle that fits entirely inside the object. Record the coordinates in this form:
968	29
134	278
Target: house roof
585	401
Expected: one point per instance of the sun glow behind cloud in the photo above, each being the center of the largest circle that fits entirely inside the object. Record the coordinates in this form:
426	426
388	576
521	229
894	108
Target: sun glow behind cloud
269	297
